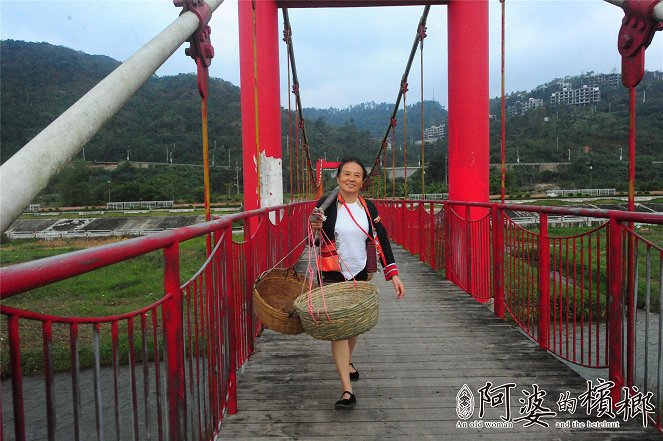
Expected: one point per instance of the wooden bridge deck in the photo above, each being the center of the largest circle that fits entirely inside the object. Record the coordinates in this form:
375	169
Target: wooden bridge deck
412	365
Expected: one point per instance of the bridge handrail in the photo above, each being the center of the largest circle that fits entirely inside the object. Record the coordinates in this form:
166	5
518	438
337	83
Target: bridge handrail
55	268
618	215
579	296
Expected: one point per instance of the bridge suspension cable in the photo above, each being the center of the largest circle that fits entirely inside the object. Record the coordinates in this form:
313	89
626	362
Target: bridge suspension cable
503	122
29	171
287	35
401	94
393	123
422	34
287	32
404	89
201	50
255	98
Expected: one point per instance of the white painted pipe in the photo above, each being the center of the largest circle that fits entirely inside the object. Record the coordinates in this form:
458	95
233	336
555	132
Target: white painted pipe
28	172
658	9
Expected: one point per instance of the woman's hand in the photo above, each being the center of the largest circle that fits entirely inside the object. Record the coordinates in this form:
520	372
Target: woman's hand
316	220
316	225
398	287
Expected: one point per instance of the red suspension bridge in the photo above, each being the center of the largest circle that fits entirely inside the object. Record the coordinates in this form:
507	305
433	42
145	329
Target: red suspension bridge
170	370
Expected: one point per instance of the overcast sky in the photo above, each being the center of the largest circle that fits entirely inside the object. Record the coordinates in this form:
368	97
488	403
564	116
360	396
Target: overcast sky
346	56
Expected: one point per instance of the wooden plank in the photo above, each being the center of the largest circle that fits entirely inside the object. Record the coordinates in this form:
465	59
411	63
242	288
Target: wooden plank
412	365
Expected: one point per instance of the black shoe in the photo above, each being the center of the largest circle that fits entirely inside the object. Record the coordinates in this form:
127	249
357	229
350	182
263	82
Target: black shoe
354	376
346	403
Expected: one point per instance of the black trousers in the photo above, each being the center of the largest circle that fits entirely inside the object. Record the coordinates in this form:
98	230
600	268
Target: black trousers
335	276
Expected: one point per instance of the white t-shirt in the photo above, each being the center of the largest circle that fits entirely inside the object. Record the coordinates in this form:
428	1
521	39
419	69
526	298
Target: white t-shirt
350	240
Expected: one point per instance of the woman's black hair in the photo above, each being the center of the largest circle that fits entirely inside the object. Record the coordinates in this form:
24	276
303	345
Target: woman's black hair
355	160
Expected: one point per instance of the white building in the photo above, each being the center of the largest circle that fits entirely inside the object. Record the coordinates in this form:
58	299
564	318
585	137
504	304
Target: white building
532	103
520	107
576	97
433	133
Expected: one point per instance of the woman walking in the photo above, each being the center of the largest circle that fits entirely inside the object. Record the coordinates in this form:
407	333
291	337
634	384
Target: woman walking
345	224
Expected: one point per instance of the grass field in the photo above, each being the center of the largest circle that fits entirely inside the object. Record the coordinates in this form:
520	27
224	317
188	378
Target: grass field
120	288
123	287
128	213
134	284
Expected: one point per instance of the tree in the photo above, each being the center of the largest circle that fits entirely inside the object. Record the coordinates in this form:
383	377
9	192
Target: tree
72	185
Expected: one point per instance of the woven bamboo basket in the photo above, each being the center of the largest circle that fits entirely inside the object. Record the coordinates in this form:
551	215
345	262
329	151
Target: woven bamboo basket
273	295
352	308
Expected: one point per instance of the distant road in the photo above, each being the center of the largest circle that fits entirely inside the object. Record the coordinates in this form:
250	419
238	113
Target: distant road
145	164
542	165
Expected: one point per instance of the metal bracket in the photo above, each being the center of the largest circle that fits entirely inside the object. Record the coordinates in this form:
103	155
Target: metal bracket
635	35
287	35
200	45
421	34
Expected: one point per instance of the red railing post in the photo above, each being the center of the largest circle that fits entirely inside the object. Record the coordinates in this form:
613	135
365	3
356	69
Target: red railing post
446	228
468	252
404	240
615	289
249	268
498	260
422	232
173	330
232	324
630	307
217	338
17	377
432	237
544	282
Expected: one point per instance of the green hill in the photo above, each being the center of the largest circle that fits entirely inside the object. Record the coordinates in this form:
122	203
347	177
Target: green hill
40	81
591	135
375	117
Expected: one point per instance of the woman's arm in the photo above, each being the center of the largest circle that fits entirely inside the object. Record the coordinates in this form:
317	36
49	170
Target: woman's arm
387	260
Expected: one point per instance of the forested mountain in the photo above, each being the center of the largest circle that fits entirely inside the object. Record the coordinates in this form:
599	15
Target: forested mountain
161	122
39	81
600	126
594	136
375	117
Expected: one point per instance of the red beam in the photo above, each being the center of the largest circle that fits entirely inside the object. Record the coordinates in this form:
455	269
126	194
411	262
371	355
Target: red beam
622	216
56	268
544	283
468	101
172	314
615	311
353	3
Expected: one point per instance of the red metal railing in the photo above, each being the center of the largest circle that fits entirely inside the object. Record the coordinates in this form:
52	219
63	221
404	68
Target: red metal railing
411	227
173	363
575	295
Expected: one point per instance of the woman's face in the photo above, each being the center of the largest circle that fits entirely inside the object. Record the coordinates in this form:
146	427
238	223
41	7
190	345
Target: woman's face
351	178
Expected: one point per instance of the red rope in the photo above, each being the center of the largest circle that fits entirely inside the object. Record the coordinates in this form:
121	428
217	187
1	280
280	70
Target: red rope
287	38
422	35
384	173
631	149
297	153
309	270
503	145
393	158
404	88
